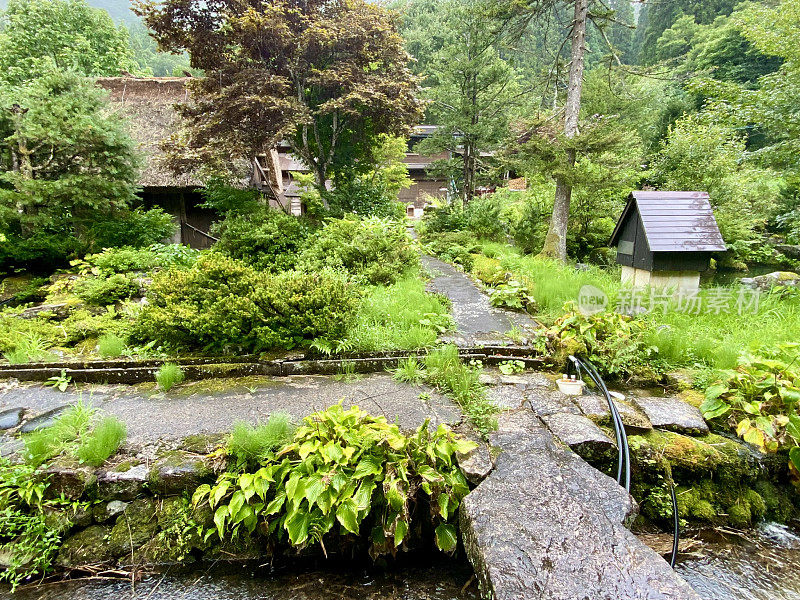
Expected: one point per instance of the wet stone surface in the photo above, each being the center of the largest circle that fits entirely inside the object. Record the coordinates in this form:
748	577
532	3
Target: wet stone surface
46	419
579	431
672	414
11	418
544	524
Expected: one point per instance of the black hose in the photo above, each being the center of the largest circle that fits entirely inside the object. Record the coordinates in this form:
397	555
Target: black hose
676	531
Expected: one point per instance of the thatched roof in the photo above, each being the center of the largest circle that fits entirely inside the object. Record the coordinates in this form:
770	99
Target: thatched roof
148	103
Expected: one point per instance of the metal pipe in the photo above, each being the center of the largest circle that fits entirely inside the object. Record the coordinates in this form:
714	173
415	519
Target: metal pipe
676	531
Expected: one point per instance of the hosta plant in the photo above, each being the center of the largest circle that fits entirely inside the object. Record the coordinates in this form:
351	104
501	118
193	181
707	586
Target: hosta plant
345	472
759	400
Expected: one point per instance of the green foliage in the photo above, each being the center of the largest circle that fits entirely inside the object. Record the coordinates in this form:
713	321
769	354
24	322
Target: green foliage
514	295
111	345
137	228
220	304
453	246
40	252
45	125
220	196
102	291
366	197
25	348
704	155
511	367
40	36
401	316
127	259
372	250
488	271
168	376
267	239
345	471
409	370
29	540
611	341
60	382
759	399
101	442
249	444
445	370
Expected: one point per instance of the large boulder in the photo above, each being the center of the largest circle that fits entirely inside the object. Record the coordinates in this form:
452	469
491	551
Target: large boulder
672	414
122	484
774	279
135	526
178	472
88	546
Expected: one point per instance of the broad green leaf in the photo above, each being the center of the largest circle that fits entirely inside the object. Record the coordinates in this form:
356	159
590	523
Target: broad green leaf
714	408
218	492
368	465
400	531
446	537
444	501
297	527
715	391
314	487
347	515
793	427
276	504
219	520
794	458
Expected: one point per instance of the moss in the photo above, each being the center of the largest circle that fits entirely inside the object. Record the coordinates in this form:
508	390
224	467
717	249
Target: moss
778	506
703	510
134	527
693	397
739	516
758	508
202	443
89	546
221	385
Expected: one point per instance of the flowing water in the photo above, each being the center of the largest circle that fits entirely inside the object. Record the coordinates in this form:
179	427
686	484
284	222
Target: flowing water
762	564
441	581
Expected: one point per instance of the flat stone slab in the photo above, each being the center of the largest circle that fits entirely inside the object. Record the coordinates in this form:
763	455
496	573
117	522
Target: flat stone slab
544	524
672	414
477	321
577	431
546	402
46	419
595	407
11	418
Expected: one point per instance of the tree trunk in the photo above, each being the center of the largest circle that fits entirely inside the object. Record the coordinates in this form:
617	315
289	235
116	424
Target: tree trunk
555	244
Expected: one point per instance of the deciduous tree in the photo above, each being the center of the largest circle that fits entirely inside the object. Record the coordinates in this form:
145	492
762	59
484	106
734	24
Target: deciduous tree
327	76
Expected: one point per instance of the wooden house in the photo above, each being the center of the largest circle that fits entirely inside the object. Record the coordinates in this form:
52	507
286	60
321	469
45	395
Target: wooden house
665	239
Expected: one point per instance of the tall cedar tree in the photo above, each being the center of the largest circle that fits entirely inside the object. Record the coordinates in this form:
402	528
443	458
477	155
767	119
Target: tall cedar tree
63	160
327	76
474	91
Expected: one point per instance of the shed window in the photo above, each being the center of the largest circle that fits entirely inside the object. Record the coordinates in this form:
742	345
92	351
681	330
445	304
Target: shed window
625	248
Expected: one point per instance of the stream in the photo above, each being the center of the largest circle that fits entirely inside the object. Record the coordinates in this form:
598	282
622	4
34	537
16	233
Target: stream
760	564
440	581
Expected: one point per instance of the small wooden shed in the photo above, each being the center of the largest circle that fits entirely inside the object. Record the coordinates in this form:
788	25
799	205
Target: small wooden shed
665	239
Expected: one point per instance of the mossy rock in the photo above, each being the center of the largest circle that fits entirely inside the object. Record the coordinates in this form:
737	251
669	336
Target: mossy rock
70	480
134	527
89	546
178	472
202	443
64	519
655	452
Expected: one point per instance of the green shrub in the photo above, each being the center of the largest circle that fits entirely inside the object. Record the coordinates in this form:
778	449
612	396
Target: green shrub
401	316
345	470
127	259
455	247
43	444
483	218
489	271
29	536
372	250
266	239
137	228
513	295
168	376
445	218
101	442
220	304
110	345
248	444
611	341
365	198
102	291
42	252
409	370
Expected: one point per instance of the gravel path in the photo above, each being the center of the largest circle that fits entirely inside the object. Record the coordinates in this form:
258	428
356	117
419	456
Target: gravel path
213	406
477	322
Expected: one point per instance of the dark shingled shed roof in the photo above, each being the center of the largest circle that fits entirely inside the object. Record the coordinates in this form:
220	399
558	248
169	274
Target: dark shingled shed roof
673	221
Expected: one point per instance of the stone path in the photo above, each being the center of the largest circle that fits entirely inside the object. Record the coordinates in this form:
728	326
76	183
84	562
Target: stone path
213	406
477	322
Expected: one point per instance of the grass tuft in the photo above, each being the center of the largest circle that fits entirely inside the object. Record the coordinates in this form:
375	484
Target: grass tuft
250	443
409	370
101	442
28	348
110	345
43	444
168	376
